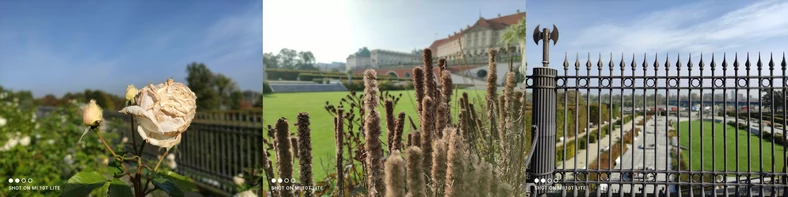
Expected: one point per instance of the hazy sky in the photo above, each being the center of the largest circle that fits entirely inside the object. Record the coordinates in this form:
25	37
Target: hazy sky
672	27
334	29
62	46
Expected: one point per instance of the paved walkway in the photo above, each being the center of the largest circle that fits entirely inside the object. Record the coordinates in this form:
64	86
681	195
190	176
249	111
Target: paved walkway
652	156
583	156
567	140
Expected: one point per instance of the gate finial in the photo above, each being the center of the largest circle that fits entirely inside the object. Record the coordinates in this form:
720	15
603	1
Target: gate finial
546	35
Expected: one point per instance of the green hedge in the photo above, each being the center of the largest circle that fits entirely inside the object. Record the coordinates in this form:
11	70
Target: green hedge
312	76
383	85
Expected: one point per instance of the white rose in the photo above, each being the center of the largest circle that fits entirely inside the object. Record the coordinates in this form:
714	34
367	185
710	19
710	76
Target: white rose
124	140
3	121
172	164
50	141
11	143
25	141
171	157
68	159
247	193
239	179
163	112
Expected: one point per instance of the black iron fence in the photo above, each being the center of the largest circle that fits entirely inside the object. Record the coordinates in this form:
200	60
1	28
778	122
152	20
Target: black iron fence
215	148
678	142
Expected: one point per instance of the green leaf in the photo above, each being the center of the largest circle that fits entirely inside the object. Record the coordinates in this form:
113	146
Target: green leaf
82	183
183	182
168	186
115	168
119	188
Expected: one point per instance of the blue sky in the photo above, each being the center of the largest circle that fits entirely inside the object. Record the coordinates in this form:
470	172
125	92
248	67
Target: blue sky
332	30
54	47
664	27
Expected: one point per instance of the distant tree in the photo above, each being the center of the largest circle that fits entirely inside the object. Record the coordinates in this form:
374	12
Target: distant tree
225	86
306	61
363	52
270	60
287	58
779	99
236	100
200	81
516	34
49	100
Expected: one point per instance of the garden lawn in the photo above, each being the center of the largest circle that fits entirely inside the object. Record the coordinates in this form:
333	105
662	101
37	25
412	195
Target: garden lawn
717	148
288	105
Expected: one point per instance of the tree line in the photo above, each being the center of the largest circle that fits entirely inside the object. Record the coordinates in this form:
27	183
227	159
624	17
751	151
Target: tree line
214	91
290	59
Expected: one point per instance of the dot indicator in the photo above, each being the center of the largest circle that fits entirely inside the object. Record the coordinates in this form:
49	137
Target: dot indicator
543	180
273	180
280	180
536	180
16	180
10	180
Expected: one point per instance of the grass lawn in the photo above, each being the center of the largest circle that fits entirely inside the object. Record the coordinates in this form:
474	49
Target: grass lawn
717	149
288	105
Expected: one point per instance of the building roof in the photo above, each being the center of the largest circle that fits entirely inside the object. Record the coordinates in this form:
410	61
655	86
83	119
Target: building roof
495	24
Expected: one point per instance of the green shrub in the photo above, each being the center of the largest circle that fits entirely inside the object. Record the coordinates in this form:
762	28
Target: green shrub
47	149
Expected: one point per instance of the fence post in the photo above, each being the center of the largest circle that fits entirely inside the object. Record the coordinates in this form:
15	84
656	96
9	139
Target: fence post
544	107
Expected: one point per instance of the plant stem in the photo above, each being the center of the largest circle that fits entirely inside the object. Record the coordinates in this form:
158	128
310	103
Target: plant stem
105	142
156	169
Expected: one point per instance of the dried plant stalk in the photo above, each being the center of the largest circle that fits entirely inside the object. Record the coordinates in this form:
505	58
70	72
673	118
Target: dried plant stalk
305	152
339	140
428	130
395	175
485	179
374	149
390	124
294	147
268	166
439	164
398	130
416	182
448	88
429	75
442	119
284	157
455	169
492	90
418	86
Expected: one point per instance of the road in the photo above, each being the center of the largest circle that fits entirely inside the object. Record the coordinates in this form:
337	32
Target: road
581	155
652	156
